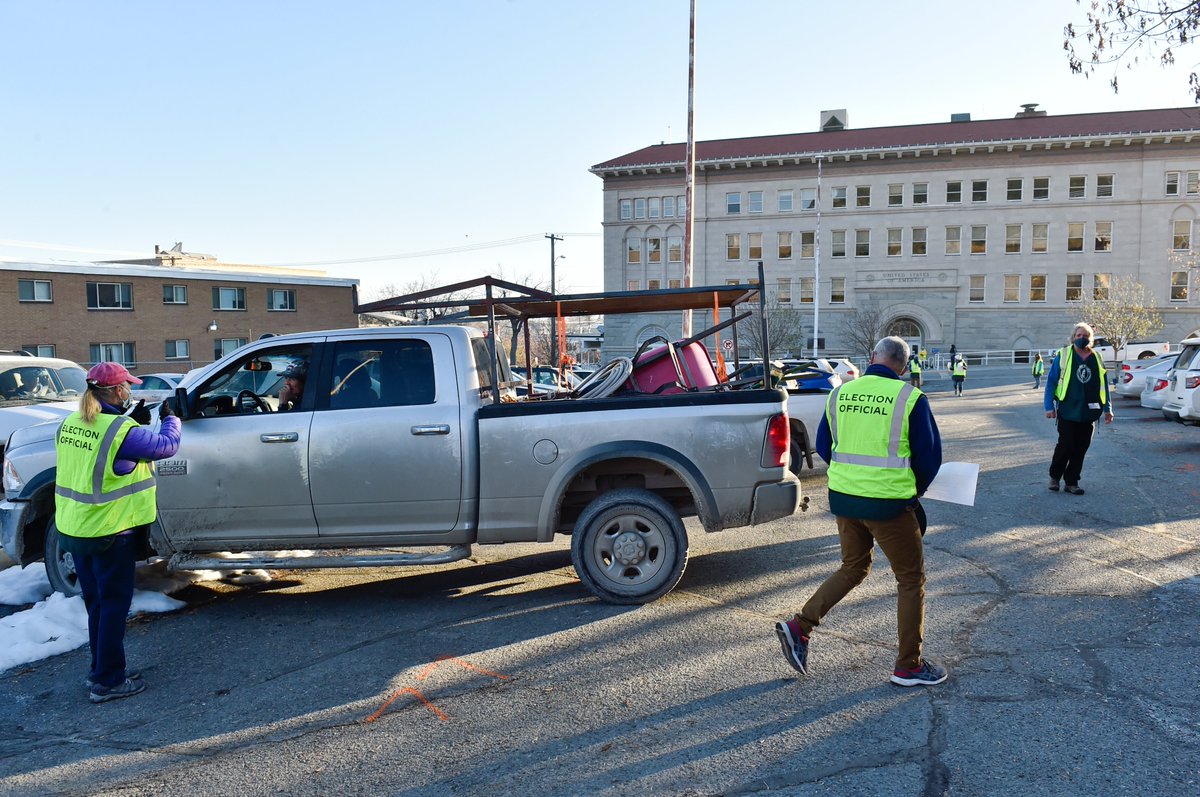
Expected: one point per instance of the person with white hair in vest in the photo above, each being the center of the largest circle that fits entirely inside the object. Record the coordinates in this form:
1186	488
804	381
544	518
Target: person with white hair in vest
1076	396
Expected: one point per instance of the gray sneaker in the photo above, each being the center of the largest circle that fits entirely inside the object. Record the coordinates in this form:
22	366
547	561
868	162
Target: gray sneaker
127	688
133	675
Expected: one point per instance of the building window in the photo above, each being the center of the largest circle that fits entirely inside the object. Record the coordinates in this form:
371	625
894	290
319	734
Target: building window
733	204
806	290
654	250
1041	236
35	291
783	293
895	242
1077	187
979	191
785	245
1037	287
668	206
919	236
733	246
626	209
1012	239
122	353
653	285
954	240
655	207
1193	183
755	200
636	285
862	243
1172	188
225	346
837	290
674	283
281	299
920	193
1104	186
1179	286
1041	188
675	249
39	349
1074	290
1181	239
979	239
785	201
1015	184
839	196
639	208
755	244
633	251
1104	236
110	296
229	298
976	290
808	199
178	350
953	192
839	244
681	206
1100	286
174	294
1075	236
895	195
1012	287
808	244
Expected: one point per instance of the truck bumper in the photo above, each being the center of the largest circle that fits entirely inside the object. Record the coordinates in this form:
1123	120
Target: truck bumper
12	520
775	500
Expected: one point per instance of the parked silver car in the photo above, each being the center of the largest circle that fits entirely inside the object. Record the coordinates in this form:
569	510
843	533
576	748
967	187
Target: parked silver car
1134	374
36	389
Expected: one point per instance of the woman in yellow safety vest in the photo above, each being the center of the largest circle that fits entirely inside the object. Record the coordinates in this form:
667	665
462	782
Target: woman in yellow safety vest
104	498
1039	368
958	373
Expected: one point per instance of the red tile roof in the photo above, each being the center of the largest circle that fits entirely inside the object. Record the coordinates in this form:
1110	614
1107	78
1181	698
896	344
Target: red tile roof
1135	123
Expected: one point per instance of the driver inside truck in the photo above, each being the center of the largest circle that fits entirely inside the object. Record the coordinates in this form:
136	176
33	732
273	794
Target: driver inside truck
292	391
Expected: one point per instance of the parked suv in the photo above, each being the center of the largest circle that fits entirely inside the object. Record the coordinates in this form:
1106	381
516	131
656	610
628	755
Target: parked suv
1183	386
36	389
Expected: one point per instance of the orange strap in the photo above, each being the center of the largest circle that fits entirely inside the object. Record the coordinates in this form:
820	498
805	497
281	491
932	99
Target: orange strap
722	371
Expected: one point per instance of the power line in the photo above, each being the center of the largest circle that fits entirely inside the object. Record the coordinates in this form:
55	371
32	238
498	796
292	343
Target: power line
523	239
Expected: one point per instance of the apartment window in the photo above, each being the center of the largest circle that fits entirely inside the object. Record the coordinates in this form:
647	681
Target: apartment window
35	291
919	237
1193	183
839	244
783	293
639	208
674	283
1041	188
954	240
229	298
675	249
654	250
1181	239
633	251
733	203
862	243
1041	236
1015	185
227	346
280	299
895	242
655	207
1104	236
1100	286
1012	287
1075	236
954	192
1074	290
110	296
785	201
1179	286
626	209
755	200
39	349
122	353
785	245
895	195
839	196
979	191
653	285
178	350
733	246
1037	287
633	285
1172	188
979	239
837	290
755	244
862	197
976	289
806	290
920	193
1077	187
808	199
808	244
1104	186
174	294
1012	239
668	206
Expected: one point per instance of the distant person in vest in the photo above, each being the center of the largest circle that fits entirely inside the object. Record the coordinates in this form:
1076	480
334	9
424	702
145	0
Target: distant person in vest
958	373
104	498
1076	395
914	370
883	449
1039	368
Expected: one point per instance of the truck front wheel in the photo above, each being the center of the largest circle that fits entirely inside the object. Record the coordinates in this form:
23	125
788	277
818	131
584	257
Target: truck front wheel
629	547
60	567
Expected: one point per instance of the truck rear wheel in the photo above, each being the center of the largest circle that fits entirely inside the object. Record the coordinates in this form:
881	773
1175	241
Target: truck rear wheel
60	566
629	547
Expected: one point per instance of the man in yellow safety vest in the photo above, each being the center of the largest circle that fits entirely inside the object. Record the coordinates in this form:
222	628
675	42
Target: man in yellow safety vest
1076	396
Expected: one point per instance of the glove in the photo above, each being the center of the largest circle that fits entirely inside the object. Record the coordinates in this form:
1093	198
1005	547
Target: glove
140	413
164	410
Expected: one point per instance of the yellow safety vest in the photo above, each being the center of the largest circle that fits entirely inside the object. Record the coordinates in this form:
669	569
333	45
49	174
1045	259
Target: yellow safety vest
914	366
89	499
1039	367
960	368
1065	359
868	425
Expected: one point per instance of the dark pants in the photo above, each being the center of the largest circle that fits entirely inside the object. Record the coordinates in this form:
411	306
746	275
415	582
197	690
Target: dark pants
958	384
900	540
106	580
1074	438
1037	381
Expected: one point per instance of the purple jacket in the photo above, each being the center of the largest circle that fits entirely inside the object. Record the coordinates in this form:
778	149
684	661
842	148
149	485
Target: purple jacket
142	444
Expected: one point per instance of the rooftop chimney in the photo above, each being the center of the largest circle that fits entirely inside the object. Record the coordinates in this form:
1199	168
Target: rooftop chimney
960	117
1028	112
834	120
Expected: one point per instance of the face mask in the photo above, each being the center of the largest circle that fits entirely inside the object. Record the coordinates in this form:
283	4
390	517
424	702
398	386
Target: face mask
1083	342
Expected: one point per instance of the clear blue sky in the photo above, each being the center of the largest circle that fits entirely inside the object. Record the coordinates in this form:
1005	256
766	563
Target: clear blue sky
302	132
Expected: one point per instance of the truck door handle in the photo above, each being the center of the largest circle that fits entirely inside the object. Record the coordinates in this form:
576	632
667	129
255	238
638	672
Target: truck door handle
284	437
437	428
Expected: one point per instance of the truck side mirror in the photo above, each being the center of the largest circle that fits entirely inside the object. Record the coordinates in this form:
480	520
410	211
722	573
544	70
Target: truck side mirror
181	403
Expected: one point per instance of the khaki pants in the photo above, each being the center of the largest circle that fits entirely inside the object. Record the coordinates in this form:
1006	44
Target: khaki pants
900	540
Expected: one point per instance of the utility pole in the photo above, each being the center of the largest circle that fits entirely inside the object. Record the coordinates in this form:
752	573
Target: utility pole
552	237
554	324
690	171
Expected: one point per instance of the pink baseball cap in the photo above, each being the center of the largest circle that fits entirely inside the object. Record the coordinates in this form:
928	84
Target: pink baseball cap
109	375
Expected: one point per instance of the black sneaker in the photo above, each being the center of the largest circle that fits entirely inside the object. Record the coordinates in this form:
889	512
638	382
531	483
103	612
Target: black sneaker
133	675
1073	489
927	674
794	643
126	688
1053	485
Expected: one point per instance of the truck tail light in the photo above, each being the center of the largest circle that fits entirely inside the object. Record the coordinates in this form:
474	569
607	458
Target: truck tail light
779	440
1191	382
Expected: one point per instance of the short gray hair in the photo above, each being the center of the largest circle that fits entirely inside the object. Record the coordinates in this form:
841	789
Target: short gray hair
893	349
1086	327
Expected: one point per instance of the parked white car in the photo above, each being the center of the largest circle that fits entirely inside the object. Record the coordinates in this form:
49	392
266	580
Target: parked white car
156	387
36	389
1133	374
845	369
1183	397
1154	391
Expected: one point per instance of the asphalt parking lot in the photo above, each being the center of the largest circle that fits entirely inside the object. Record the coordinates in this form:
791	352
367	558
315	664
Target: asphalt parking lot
1068	624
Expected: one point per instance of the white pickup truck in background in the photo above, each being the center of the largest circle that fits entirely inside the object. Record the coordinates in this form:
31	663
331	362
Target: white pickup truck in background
1131	351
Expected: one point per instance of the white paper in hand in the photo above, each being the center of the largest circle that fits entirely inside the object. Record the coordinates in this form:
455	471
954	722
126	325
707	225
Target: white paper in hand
954	483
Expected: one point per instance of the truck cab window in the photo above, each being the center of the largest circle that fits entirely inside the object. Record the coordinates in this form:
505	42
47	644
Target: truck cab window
381	373
253	383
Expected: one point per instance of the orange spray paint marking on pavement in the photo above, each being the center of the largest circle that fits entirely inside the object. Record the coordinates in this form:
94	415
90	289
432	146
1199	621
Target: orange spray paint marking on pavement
466	665
407	690
425	673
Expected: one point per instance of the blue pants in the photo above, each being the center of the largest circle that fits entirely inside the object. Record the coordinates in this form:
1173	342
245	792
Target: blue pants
106	580
1037	381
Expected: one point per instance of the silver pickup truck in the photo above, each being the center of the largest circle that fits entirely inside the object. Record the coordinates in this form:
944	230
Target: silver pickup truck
397	443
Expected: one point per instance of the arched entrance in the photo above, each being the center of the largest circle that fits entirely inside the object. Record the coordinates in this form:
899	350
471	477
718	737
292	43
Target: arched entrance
907	328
